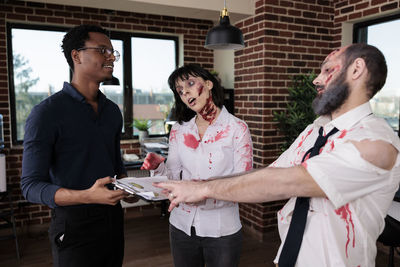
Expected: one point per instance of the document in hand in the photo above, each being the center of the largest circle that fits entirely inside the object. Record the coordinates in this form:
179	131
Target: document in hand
142	187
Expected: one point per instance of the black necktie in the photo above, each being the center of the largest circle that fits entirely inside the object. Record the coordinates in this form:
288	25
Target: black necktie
294	237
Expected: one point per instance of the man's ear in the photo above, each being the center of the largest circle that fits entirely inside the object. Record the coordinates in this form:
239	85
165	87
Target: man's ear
75	56
358	68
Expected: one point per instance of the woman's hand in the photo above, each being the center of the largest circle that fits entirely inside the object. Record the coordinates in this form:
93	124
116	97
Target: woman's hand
152	161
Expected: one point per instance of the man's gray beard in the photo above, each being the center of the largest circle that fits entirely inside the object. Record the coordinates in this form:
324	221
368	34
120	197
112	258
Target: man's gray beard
332	98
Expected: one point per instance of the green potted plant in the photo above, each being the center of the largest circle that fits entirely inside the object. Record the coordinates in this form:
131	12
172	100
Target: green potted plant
299	112
143	126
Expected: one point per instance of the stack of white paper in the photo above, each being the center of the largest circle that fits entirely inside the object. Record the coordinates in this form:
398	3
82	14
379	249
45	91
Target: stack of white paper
142	187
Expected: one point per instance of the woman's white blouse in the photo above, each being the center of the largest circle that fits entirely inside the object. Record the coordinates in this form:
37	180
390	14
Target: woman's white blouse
225	148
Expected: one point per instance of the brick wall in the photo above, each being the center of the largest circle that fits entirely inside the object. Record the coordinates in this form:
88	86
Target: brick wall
360	10
285	38
192	30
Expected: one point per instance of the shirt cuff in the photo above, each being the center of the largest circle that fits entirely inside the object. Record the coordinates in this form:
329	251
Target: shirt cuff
48	195
158	171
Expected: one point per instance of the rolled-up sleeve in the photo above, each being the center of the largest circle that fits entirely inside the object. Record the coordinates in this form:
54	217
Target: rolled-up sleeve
38	148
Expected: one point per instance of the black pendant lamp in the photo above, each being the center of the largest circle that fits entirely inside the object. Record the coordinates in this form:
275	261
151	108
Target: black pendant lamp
224	36
113	81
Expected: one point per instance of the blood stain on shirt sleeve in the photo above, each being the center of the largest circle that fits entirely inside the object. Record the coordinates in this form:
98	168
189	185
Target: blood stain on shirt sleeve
345	214
172	135
243	126
248	157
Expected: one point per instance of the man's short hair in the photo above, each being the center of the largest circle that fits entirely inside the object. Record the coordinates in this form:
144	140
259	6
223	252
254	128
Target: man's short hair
375	62
76	38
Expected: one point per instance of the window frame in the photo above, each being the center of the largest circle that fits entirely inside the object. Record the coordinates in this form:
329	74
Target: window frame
10	66
360	34
127	70
125	37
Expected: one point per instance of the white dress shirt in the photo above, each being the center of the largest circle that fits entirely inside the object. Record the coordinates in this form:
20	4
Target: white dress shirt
225	148
342	229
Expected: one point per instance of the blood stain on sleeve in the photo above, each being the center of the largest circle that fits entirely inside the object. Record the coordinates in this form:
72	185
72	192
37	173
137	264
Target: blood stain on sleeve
172	135
243	126
345	215
248	157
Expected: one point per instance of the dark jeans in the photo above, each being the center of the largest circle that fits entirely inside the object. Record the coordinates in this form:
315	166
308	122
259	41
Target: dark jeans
196	251
92	235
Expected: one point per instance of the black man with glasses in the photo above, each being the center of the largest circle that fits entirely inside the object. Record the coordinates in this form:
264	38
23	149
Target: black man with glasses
71	151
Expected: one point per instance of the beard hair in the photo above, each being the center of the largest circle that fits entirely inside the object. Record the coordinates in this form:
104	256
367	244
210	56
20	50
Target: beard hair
333	97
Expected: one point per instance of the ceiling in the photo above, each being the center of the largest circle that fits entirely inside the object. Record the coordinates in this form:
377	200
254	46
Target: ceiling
199	9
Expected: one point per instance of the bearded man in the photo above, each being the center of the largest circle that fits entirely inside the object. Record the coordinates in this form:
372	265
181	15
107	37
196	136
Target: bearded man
340	174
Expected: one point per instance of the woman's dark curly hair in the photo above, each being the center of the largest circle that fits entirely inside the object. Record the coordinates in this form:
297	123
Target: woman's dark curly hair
76	37
182	112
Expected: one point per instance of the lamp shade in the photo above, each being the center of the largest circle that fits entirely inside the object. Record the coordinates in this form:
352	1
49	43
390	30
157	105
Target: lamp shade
224	36
113	81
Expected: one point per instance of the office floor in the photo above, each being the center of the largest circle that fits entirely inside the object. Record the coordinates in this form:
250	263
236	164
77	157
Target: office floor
146	245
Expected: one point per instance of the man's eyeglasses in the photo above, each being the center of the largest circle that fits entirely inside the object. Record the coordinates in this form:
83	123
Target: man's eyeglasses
104	51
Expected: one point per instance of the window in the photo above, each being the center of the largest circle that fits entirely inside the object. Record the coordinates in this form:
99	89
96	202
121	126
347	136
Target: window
39	69
35	76
152	98
380	33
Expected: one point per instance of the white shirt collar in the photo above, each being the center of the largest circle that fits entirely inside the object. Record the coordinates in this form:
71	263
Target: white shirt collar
346	120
